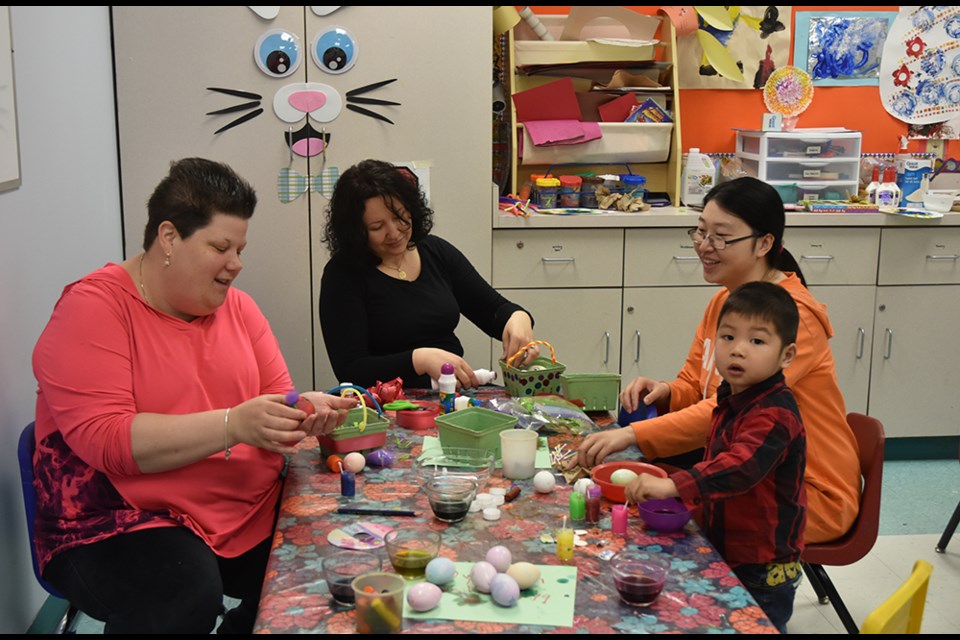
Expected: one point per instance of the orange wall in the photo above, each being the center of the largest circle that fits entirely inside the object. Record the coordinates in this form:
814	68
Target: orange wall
708	116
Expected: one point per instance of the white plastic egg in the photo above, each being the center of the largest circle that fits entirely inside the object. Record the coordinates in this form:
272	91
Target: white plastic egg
440	571
354	461
544	482
504	590
623	476
500	557
524	573
423	596
481	575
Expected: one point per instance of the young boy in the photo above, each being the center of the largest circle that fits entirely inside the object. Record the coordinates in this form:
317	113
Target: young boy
750	483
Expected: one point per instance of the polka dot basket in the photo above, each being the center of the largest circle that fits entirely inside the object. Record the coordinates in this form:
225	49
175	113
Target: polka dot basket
541	376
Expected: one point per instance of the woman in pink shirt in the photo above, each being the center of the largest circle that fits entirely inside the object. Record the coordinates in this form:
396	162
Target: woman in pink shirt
161	424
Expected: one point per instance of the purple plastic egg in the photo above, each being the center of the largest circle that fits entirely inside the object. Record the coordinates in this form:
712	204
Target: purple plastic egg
381	458
482	575
505	590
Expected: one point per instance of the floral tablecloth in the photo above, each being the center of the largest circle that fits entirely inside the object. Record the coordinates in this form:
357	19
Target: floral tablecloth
701	594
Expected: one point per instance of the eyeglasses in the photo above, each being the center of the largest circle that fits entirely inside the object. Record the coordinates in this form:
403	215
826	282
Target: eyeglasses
718	243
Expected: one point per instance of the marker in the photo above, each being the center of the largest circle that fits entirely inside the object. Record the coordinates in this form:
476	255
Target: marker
357	511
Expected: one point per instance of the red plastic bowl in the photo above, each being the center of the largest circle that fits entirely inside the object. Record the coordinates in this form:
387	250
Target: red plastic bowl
615	492
666	516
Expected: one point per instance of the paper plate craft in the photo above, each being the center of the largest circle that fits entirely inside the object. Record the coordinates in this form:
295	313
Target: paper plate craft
788	91
359	536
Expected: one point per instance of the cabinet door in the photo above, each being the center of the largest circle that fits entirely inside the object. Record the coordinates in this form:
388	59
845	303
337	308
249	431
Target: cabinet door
914	377
583	325
851	314
658	326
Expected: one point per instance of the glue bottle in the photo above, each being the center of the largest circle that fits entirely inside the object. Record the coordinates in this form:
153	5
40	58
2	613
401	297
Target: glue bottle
447	386
888	193
872	187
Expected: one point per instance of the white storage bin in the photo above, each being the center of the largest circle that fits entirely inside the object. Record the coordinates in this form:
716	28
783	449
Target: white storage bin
622	142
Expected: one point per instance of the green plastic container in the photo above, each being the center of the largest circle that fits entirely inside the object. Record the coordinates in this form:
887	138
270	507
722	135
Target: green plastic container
348	437
597	391
474	428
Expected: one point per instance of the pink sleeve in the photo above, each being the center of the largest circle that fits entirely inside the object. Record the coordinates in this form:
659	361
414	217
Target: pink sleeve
83	365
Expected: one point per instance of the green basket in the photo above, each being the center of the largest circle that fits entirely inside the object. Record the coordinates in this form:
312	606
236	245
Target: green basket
542	376
474	428
349	436
597	391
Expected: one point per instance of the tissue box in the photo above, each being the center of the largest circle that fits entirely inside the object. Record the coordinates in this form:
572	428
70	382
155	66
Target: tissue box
910	172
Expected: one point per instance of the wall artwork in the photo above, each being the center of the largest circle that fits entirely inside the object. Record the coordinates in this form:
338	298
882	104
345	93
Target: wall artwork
731	47
841	48
9	147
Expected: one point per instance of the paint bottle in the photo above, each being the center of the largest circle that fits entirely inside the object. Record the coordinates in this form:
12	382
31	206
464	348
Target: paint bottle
588	191
874	183
547	191
888	193
570	191
593	504
633	185
447	386
565	544
348	484
619	519
578	506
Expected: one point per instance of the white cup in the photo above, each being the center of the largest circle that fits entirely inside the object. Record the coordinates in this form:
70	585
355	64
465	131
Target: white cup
518	450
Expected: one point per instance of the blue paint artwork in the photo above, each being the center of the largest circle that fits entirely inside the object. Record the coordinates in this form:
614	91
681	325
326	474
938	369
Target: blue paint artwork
845	47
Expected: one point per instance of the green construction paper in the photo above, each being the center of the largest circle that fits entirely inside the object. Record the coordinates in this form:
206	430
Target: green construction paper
543	451
550	601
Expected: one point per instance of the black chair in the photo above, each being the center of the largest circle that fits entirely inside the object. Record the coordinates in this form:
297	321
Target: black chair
25	449
951	526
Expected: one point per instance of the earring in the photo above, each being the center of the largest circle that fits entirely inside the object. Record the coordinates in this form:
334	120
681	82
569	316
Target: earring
166	261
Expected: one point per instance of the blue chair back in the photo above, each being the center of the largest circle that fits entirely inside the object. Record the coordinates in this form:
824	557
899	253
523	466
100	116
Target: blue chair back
25	449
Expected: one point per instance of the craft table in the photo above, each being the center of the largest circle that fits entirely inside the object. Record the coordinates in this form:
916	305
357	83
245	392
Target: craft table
701	594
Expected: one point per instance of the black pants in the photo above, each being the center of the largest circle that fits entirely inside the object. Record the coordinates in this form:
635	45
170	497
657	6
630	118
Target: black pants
164	580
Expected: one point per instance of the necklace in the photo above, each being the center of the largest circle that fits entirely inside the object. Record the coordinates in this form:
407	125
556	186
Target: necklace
143	291
399	269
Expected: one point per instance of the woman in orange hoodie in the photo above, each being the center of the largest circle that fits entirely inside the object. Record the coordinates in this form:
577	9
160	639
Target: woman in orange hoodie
739	239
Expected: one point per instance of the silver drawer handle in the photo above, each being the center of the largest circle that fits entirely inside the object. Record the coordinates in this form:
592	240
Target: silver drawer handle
861	335
936	257
889	345
806	257
686	258
637	335
606	355
558	259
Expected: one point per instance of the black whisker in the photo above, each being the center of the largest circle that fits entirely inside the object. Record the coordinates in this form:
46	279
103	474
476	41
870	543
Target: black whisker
239	107
370	87
240	120
367	112
362	100
236	93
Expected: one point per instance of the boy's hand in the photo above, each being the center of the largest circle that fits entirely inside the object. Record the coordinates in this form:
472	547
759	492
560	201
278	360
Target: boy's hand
648	487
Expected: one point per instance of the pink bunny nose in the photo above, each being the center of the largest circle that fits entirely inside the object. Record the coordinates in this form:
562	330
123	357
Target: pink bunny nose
307	101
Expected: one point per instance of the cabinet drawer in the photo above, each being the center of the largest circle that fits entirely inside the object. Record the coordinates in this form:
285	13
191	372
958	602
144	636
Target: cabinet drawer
660	258
552	258
920	256
800	145
835	255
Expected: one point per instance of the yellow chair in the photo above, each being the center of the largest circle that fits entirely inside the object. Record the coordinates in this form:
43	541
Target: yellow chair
902	612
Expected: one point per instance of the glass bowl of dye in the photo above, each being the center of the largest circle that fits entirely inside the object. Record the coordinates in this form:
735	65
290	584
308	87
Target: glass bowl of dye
639	576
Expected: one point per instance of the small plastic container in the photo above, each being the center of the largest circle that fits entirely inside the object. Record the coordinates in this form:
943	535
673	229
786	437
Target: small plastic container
612	183
597	391
348	436
474	427
634	185
547	191
588	191
570	191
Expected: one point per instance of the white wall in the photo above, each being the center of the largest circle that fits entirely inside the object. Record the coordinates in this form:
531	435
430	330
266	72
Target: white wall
62	222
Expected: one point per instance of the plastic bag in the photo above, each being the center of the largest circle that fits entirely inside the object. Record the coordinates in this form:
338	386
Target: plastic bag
546	414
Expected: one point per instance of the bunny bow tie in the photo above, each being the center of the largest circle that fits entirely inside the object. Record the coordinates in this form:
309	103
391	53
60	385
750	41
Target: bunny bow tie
291	184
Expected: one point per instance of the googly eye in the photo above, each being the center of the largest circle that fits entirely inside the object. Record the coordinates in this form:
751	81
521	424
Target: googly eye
277	53
334	50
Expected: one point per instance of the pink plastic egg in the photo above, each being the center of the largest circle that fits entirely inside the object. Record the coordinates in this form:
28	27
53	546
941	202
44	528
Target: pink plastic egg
504	590
500	557
481	575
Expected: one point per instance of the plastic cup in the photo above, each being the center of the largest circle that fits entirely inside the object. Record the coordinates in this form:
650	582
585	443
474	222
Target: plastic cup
340	569
379	598
518	450
638	576
410	549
